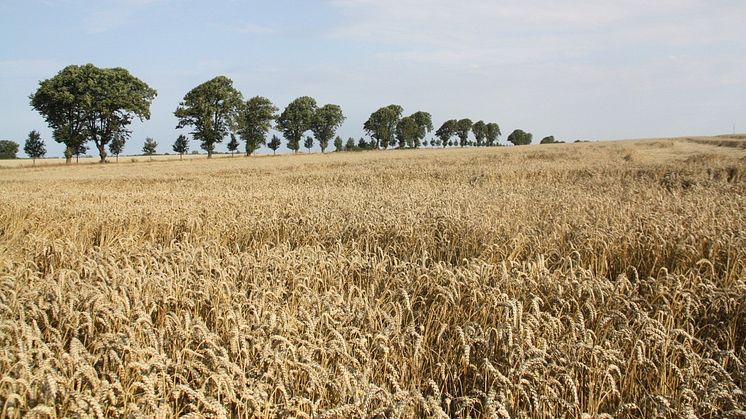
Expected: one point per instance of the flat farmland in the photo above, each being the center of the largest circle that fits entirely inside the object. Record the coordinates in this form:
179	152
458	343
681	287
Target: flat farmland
605	279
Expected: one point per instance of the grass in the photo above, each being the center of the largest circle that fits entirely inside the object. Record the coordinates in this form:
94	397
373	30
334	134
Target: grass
601	279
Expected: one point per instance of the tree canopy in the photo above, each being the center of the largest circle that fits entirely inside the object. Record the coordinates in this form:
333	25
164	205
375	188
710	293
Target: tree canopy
407	131
181	145
491	131
210	109
463	126
327	119
85	102
8	149
254	122
424	125
296	119
34	146
519	137
446	131
149	148
381	125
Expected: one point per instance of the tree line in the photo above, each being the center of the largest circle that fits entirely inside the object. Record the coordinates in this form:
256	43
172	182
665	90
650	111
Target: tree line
83	104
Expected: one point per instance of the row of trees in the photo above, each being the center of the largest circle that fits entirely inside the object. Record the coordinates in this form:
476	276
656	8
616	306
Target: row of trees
87	103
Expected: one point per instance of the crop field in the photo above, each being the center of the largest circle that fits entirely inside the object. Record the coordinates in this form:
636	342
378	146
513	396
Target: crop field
571	280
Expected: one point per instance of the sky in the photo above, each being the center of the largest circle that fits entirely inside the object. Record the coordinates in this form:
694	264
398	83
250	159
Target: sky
575	69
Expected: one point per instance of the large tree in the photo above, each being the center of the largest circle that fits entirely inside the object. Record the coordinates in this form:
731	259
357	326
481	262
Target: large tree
446	131
34	146
424	126
8	149
181	145
211	110
520	137
407	132
480	132
326	121
296	119
492	131
254	122
85	102
381	125
463	126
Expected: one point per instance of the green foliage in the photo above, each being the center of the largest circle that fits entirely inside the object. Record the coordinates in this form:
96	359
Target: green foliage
8	149
407	132
350	145
338	145
233	144
181	145
211	110
363	145
491	131
424	126
274	144
381	125
550	140
480	132
446	131
519	137
326	121
308	143
116	146
463	127
254	122
34	146
296	119
87	102
149	148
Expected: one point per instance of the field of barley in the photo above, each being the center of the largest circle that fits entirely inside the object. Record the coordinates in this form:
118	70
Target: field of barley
572	280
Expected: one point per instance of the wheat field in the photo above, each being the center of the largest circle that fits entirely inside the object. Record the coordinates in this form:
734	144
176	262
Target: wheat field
573	280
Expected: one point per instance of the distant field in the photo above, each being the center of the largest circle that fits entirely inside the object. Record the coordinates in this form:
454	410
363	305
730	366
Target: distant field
606	279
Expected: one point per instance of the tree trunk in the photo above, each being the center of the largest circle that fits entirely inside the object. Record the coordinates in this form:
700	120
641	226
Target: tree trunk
209	154
102	152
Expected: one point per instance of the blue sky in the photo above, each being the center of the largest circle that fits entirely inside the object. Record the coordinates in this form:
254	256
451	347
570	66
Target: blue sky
574	69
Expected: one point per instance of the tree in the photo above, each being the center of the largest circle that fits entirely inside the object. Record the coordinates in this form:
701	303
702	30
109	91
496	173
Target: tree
463	127
338	145
254	122
87	102
326	120
34	146
78	151
116	146
491	131
308	143
149	148
274	144
480	132
446	131
363	145
8	149
381	125
548	140
181	145
519	137
233	144
350	145
424	126
296	119
407	132
211	110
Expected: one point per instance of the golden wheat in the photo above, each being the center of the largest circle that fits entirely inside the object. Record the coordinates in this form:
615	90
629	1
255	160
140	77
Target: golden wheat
578	280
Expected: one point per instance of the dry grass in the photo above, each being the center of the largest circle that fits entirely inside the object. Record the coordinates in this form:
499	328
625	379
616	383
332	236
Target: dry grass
600	279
